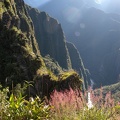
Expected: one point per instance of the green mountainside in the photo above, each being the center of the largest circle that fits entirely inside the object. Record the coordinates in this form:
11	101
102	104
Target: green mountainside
52	41
20	57
114	89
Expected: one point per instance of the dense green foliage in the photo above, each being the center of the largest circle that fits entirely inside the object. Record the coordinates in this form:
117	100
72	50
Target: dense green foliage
16	107
67	105
19	57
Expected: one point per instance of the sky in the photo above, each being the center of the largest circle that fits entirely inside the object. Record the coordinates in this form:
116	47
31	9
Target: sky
36	3
106	5
109	5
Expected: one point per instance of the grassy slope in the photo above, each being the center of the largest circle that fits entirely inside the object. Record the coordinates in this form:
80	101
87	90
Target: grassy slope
114	89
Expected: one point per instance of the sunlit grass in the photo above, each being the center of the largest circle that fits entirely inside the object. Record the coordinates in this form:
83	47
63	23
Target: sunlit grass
67	74
68	105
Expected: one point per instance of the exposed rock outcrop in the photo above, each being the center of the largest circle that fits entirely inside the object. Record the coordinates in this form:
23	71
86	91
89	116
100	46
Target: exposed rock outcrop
20	58
96	35
77	64
45	85
53	65
50	37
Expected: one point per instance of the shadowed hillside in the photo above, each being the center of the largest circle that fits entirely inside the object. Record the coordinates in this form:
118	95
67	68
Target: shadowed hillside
20	58
96	36
52	41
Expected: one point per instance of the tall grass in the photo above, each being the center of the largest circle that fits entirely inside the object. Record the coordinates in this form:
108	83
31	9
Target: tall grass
65	105
73	105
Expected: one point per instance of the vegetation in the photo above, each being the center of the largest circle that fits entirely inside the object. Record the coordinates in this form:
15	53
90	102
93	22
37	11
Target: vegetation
67	74
73	105
67	105
52	65
17	107
20	61
114	88
19	58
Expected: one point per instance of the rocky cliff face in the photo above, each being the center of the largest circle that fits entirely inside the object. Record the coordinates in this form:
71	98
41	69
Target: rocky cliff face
20	58
50	37
96	36
100	46
77	63
52	42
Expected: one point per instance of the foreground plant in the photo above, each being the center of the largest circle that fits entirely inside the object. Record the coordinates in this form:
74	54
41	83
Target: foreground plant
72	105
17	108
68	105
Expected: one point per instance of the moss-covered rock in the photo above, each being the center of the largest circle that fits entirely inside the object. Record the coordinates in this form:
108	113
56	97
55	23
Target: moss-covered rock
52	65
69	79
45	84
20	58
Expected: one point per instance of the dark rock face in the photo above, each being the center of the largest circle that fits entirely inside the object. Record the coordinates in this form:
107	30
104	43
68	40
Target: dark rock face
50	37
96	36
20	59
99	44
77	63
52	41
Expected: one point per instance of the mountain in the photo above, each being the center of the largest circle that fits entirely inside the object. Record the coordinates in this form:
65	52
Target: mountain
95	34
104	46
114	89
99	43
50	37
20	56
77	63
51	40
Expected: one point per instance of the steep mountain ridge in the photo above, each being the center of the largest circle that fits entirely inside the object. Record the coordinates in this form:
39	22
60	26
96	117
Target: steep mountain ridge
77	64
100	44
96	36
50	37
20	58
52	41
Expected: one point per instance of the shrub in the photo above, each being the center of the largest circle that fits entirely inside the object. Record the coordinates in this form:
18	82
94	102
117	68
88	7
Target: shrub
73	105
17	107
66	105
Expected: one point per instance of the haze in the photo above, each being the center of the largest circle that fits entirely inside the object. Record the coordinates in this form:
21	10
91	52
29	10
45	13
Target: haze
36	3
106	5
